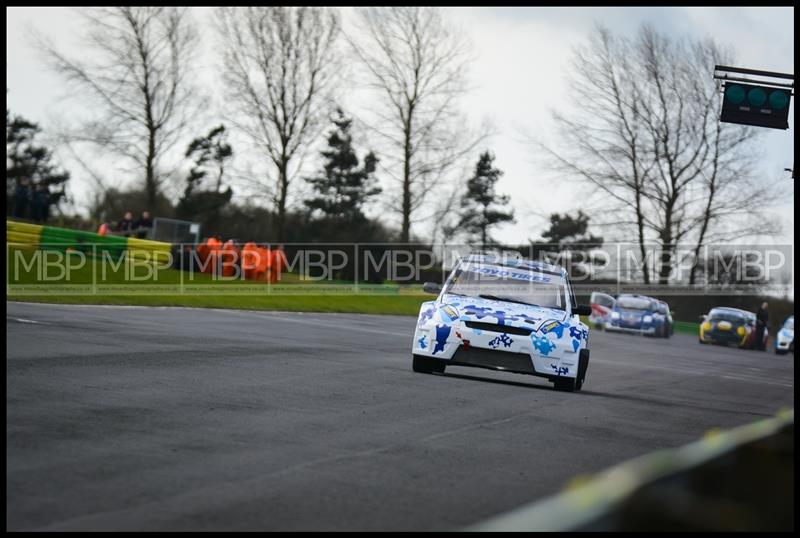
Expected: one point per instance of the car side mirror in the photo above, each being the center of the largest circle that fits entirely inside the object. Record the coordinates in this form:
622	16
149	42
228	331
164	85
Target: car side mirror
702	318
431	287
582	310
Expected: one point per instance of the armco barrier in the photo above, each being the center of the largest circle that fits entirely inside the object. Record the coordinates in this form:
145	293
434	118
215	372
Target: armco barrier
739	480
23	234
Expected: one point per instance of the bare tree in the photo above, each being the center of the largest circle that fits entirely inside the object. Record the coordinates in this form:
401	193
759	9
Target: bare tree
646	137
279	65
415	63
138	68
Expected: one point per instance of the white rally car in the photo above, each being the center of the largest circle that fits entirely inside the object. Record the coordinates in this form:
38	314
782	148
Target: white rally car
512	315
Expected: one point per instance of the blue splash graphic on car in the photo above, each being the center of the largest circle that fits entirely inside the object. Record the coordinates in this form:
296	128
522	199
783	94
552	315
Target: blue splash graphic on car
422	342
481	312
528	319
577	332
559	370
426	315
442	332
503	339
575	344
478	311
542	344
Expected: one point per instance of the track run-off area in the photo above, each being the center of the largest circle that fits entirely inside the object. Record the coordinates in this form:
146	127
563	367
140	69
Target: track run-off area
136	418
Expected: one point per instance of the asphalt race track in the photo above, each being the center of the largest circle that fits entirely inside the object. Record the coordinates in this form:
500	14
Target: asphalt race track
128	418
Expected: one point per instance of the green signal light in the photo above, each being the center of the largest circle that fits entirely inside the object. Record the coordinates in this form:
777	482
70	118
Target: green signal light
735	94
757	96
778	100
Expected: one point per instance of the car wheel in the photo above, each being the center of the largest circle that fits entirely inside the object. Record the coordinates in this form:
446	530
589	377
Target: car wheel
567	384
583	365
427	365
780	352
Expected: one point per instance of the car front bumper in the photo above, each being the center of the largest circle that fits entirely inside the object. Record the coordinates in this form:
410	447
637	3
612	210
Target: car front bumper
637	330
509	352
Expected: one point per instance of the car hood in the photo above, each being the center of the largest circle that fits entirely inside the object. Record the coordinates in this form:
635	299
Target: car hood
501	312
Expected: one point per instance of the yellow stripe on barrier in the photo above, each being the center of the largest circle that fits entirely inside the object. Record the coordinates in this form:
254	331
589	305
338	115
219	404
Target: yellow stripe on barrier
146	244
22	237
25	227
28	246
159	256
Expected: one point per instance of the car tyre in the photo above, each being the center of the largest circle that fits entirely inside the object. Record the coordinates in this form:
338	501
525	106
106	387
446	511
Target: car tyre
566	385
583	365
427	365
780	352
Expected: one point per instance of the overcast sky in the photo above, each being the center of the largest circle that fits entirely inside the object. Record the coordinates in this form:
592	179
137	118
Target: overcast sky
517	74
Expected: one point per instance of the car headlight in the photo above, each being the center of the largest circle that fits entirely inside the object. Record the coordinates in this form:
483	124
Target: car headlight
740	331
647	319
614	315
706	325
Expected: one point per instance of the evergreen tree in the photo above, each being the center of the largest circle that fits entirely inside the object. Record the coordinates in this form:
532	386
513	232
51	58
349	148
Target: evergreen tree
343	187
567	236
480	204
210	153
26	158
566	231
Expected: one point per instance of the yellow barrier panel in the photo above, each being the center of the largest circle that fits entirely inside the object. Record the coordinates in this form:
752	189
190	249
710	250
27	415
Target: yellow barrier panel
159	256
146	244
25	227
22	237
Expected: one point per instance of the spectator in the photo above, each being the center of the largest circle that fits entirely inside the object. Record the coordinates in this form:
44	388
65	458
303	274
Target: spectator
40	203
762	317
104	229
22	196
126	224
143	224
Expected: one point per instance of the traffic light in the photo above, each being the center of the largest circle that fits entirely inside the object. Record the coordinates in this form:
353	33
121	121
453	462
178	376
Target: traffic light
749	104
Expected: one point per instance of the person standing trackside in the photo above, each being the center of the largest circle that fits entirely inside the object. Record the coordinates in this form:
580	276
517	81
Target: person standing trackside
762	317
126	224
22	198
40	203
143	225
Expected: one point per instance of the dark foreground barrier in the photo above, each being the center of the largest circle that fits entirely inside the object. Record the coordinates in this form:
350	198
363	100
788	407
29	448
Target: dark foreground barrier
739	480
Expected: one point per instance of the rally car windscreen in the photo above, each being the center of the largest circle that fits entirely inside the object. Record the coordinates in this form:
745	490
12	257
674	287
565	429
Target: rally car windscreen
722	315
513	284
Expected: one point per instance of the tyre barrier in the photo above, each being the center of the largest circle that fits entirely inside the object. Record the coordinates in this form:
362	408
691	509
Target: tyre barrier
738	480
27	235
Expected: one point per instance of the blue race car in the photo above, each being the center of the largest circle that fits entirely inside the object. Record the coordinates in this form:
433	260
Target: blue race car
639	314
511	315
784	340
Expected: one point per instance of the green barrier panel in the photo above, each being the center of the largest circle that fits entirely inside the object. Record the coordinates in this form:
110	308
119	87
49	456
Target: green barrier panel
87	242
